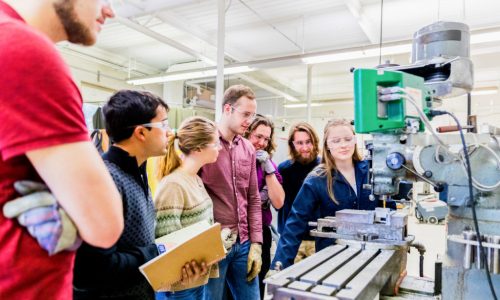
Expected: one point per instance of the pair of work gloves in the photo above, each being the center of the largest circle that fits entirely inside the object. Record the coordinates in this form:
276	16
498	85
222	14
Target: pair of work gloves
254	261
46	221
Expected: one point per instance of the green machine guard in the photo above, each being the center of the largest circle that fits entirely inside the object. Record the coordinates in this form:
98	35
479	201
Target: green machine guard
372	115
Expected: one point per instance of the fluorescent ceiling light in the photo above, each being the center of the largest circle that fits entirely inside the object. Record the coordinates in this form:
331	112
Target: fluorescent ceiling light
357	54
209	72
301	105
484	91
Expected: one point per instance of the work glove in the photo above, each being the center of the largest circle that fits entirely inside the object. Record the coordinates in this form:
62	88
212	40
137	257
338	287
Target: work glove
254	261
265	161
228	238
265	201
46	221
262	156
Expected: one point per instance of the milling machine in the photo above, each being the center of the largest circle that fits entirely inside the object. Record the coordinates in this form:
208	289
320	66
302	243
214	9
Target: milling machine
395	105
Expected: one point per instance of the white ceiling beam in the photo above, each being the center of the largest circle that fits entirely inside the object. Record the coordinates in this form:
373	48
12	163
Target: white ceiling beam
161	10
137	8
161	38
180	24
168	41
366	25
171	19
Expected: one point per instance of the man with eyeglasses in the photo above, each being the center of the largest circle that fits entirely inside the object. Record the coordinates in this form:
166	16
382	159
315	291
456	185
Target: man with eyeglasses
231	182
137	125
303	150
43	138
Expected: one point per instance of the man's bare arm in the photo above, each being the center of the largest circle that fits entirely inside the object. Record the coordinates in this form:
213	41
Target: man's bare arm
79	180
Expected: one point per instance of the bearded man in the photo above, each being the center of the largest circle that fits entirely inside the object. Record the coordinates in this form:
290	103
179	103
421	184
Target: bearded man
303	146
43	138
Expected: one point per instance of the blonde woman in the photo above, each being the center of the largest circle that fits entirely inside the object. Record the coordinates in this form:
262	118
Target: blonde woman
333	185
181	198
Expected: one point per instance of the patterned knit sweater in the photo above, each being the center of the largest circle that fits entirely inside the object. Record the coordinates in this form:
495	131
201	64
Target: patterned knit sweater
113	273
181	200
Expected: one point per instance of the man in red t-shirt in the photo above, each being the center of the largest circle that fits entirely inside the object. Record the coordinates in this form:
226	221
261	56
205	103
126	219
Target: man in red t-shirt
43	138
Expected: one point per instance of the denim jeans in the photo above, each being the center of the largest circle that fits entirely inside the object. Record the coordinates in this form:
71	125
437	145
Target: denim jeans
197	293
233	269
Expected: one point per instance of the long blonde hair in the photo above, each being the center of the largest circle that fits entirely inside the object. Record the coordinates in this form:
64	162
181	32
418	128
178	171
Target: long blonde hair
193	134
327	165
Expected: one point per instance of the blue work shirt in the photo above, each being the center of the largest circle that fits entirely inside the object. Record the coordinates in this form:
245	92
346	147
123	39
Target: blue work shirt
313	196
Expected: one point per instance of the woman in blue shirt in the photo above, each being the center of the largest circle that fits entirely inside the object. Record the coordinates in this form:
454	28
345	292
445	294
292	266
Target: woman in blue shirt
333	185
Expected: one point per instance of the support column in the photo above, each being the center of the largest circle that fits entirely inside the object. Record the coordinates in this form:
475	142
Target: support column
309	86
219	84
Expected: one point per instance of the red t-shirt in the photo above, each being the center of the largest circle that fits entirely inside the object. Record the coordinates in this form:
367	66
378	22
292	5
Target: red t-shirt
40	106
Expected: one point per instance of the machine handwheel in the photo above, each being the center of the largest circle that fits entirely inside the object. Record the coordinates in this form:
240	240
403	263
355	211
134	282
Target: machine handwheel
433	220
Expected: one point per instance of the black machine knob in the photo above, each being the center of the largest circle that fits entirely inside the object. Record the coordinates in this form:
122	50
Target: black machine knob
439	187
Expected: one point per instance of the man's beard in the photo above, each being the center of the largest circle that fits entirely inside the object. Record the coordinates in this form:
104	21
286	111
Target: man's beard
76	31
304	161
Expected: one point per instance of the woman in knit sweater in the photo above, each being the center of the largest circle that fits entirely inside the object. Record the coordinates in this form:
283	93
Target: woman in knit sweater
181	198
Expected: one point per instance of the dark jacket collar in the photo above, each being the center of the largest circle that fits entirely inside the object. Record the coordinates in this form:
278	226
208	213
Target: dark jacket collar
128	164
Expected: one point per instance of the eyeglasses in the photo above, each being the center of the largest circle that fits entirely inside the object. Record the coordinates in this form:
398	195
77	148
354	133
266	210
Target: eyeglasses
246	114
302	143
337	142
260	137
163	125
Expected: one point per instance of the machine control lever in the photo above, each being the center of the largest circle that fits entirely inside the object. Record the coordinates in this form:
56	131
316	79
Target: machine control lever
438	187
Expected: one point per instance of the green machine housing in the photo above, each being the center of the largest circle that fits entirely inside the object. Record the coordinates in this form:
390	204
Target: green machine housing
373	115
